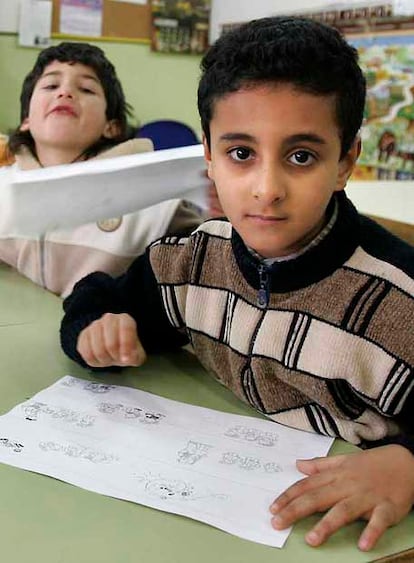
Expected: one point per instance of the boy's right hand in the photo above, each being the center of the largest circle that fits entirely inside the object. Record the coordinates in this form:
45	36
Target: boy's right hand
111	340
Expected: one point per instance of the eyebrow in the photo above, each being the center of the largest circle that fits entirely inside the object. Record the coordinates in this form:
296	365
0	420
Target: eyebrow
305	137
238	137
292	140
59	73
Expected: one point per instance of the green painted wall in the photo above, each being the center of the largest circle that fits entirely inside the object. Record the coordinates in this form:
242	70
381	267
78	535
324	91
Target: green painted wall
158	86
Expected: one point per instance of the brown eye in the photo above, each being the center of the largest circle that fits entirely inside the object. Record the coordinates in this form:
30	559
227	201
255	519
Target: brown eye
240	153
302	158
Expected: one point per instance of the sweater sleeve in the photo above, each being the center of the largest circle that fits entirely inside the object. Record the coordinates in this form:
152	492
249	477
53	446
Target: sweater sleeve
136	293
405	440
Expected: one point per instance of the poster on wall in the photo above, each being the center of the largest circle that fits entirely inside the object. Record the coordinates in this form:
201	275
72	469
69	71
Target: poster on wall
388	132
180	27
35	23
384	37
81	17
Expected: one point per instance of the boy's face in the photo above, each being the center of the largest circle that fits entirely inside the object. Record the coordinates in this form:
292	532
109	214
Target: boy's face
274	157
67	110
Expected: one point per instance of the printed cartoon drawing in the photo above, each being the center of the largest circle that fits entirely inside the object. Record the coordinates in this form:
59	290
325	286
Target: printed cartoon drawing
15	446
152	417
98	387
166	488
109	408
33	410
92	386
146	417
78	451
193	452
272	467
249	463
252	435
70	381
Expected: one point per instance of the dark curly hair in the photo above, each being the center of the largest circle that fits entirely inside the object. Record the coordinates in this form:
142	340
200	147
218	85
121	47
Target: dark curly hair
311	56
89	55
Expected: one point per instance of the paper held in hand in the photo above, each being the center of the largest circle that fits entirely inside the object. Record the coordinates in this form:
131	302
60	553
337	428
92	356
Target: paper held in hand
65	196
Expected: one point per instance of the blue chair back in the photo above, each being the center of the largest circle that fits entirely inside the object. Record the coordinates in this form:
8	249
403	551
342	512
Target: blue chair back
168	134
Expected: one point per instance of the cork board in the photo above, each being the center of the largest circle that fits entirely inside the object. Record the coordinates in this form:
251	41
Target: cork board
121	21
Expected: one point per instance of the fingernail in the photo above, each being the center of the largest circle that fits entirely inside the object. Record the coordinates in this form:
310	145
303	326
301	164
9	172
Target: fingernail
274	507
312	538
277	521
363	545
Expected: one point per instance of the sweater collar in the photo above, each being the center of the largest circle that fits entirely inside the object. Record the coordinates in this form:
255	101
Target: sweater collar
316	263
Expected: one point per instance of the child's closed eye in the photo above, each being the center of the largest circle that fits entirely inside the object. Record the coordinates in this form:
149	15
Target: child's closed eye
51	86
87	90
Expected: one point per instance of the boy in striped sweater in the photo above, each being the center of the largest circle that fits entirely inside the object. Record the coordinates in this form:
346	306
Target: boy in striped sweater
298	304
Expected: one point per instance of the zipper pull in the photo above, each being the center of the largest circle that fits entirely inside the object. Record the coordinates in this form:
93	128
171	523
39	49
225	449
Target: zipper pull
264	293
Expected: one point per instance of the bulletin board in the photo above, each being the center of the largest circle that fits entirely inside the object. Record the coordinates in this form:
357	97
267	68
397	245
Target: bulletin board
121	21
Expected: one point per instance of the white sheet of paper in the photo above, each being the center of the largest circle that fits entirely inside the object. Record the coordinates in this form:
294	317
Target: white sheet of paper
35	23
219	468
74	194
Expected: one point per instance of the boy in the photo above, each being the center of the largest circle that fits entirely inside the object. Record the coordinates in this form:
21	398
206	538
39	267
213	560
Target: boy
299	305
73	108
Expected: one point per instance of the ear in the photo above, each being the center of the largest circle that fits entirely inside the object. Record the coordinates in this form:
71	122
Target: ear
347	164
207	157
25	125
112	129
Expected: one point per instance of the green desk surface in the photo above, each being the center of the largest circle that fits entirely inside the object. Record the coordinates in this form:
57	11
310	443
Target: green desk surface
43	520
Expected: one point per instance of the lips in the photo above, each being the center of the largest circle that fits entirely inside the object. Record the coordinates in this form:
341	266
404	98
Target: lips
65	110
266	218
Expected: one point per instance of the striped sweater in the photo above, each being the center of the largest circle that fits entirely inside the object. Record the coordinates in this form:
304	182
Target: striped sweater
323	342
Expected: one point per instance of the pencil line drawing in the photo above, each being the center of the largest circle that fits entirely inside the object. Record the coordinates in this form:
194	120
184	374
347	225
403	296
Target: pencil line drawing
250	463
193	452
78	451
98	387
92	386
246	434
33	411
15	446
128	412
167	488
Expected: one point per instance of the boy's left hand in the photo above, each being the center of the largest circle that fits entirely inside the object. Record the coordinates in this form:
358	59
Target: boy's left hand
376	485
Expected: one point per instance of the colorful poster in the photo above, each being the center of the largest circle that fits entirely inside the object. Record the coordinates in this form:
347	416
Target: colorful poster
388	133
384	37
180	27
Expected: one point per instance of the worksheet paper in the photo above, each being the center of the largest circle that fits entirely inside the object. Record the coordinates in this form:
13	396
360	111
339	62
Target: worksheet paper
219	468
56	197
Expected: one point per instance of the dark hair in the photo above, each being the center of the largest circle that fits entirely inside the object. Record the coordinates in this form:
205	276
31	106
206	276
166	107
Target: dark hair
311	56
116	106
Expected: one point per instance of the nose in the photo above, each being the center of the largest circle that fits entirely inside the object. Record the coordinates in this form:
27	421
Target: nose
65	91
270	184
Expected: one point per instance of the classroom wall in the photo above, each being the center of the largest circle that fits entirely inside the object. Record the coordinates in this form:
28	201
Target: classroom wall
156	85
164	86
235	11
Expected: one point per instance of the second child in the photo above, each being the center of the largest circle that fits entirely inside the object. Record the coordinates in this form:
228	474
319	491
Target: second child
73	108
